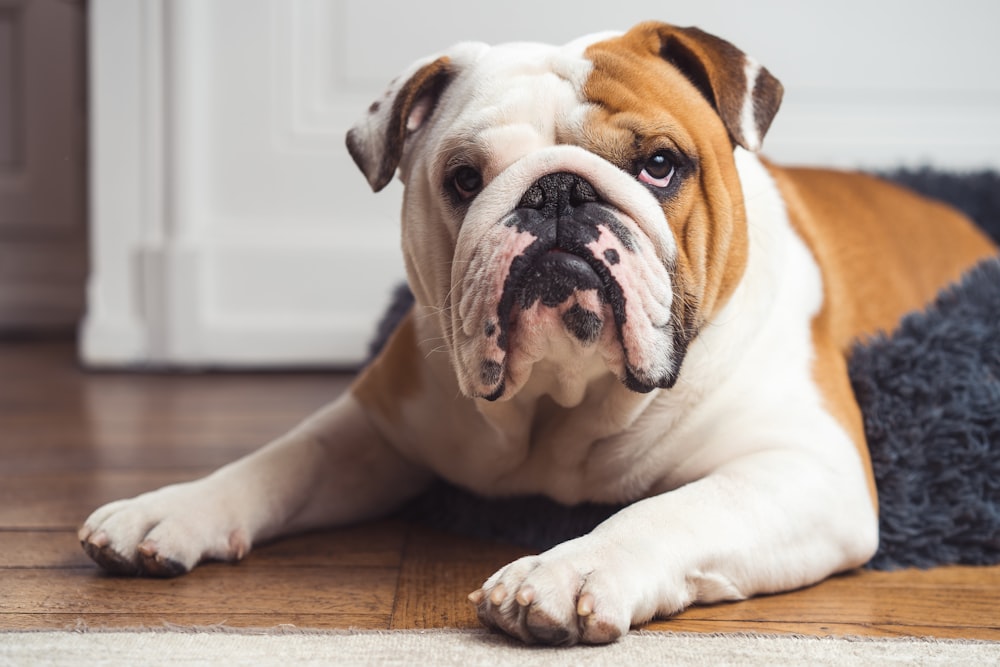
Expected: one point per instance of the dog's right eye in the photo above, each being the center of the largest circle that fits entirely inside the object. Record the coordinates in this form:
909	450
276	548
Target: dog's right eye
658	170
467	181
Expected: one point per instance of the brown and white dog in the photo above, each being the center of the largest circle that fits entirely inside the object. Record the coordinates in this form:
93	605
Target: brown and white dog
616	300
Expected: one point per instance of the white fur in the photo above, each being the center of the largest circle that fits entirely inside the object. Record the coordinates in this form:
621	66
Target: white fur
748	115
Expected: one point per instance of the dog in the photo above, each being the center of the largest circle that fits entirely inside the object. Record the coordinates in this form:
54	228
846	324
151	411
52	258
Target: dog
616	300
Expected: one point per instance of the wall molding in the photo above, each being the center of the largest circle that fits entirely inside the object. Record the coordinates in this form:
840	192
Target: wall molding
179	279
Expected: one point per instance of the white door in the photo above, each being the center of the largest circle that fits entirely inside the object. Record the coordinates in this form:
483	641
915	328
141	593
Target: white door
42	183
231	228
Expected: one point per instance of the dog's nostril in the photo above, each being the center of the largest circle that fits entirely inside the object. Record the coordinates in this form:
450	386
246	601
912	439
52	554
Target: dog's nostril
534	198
582	193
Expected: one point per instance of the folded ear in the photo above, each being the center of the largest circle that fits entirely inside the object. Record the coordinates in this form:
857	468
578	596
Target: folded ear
744	94
376	142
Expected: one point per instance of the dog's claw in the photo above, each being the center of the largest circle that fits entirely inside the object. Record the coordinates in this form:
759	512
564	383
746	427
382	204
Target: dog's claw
498	594
107	558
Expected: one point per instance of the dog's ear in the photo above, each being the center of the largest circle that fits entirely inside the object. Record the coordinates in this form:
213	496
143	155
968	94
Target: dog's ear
376	143
745	95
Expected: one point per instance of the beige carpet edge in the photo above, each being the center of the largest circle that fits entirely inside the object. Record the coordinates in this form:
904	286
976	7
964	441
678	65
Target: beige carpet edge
81	627
466	648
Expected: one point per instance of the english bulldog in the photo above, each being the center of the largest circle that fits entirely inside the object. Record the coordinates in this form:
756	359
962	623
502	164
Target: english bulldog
617	300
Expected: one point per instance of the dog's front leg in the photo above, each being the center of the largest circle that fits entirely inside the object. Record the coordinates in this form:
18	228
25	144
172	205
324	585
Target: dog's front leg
773	521
332	469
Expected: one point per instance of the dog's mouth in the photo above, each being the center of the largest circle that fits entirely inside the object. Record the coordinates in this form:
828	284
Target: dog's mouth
554	277
548	289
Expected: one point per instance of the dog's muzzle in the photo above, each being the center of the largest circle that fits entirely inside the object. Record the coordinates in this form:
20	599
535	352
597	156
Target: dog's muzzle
562	211
569	264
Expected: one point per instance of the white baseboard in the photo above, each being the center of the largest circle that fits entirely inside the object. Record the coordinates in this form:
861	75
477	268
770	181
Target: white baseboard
247	305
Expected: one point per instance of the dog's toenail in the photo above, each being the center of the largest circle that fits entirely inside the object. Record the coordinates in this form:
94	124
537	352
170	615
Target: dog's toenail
585	605
498	594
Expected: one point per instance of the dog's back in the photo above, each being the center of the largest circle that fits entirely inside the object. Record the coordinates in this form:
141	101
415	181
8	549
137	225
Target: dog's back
882	259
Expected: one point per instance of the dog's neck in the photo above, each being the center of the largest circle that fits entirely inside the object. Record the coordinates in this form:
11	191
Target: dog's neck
567	392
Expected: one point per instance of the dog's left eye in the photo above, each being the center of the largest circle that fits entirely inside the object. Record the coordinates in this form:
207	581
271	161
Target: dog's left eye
467	181
658	170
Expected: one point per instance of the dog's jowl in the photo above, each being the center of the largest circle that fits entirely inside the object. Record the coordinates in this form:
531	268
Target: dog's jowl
617	300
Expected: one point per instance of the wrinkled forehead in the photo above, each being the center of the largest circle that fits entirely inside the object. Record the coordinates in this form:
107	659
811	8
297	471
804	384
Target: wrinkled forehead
512	92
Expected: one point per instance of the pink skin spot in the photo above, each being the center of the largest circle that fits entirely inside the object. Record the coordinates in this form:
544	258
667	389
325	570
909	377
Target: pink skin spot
632	273
606	241
514	245
589	300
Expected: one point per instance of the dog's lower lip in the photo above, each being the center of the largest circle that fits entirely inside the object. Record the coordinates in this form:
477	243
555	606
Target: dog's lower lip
517	295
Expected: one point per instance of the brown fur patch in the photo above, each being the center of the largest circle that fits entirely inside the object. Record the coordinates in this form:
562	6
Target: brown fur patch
718	70
393	376
643	104
883	252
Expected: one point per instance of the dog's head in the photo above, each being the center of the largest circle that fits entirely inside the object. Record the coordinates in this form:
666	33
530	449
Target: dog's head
566	205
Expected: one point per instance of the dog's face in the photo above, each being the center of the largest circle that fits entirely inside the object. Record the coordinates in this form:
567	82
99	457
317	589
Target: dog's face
576	207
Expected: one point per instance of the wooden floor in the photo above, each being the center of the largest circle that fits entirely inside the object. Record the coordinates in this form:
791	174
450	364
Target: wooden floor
70	441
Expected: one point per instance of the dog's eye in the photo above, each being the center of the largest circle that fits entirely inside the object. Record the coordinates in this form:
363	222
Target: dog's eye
467	181
658	170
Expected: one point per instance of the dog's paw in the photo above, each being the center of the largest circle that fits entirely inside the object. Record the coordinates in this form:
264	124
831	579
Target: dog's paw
164	533
557	598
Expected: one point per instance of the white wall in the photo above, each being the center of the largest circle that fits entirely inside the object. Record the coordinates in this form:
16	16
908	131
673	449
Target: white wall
867	82
231	228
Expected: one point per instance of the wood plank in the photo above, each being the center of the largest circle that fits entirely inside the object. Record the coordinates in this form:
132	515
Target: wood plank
377	544
41	549
146	421
271	620
968	576
64	500
438	573
950	597
217	590
172	451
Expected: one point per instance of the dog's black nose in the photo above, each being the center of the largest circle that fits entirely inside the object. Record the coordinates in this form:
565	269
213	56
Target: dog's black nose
556	195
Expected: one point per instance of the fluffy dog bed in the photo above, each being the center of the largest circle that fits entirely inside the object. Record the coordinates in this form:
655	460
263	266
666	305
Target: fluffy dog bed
930	395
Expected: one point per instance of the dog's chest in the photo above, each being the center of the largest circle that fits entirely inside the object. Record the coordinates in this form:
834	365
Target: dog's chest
593	451
567	454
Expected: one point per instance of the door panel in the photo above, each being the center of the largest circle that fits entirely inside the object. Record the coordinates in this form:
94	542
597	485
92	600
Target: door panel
42	178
